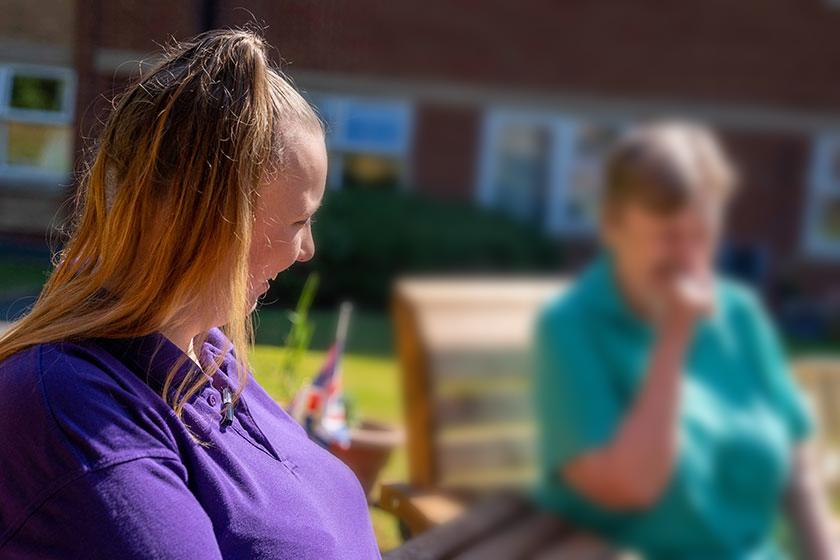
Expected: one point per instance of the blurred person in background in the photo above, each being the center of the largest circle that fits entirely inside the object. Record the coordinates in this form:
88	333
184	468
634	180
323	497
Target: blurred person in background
669	420
130	423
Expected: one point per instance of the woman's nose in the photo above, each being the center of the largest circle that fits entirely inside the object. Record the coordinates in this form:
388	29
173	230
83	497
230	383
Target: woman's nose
307	248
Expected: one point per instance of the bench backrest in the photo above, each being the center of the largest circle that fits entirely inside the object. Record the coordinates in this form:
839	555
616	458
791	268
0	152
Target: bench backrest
820	378
464	349
463	346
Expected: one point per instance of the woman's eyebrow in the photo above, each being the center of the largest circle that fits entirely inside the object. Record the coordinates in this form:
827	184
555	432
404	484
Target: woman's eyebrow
307	215
315	210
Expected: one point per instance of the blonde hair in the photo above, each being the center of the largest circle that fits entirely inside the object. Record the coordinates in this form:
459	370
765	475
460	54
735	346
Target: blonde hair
664	165
165	211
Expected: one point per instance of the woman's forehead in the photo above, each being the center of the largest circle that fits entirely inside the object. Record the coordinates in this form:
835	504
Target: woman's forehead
694	216
298	185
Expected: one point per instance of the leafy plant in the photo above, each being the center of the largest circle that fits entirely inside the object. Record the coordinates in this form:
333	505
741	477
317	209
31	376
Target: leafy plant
299	336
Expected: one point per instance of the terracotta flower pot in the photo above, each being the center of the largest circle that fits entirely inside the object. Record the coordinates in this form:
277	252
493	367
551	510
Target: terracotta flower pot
371	444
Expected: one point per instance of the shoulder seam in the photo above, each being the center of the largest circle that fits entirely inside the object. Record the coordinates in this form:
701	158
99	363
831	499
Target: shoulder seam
65	481
48	404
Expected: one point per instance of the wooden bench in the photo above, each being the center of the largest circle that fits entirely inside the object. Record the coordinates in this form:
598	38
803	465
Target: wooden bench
504	527
463	347
820	378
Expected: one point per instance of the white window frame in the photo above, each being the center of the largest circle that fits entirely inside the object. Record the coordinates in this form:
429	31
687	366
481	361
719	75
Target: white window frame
821	184
34	116
338	148
564	133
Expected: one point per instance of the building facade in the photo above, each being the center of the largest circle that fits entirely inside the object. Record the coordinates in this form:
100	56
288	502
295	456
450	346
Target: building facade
509	105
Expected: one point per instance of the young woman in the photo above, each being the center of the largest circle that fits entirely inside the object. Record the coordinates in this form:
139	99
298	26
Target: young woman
130	426
670	423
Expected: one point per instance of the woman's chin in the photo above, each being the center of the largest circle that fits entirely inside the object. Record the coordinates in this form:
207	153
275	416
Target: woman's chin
257	294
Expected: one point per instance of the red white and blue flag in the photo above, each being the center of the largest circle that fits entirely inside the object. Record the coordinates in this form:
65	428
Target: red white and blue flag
319	406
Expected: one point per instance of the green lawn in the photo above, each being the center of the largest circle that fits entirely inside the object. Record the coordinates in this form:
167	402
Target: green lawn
371	382
372	388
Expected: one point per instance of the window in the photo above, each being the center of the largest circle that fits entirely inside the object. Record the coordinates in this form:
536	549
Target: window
36	110
822	220
544	168
521	169
368	141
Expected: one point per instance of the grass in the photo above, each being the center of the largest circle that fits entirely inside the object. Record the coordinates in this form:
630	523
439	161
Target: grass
372	388
371	382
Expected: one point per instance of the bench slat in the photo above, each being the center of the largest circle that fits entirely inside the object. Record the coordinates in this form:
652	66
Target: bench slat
500	453
446	541
522	540
481	409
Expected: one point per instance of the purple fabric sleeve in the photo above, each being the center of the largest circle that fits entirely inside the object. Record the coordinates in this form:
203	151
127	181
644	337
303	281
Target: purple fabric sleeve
134	509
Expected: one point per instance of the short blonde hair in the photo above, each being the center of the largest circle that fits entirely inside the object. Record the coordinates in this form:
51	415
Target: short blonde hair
665	165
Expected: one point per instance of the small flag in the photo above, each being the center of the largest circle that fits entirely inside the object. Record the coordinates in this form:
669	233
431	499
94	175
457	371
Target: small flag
319	406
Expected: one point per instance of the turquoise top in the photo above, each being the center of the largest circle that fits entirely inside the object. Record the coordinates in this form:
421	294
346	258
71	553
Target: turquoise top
741	414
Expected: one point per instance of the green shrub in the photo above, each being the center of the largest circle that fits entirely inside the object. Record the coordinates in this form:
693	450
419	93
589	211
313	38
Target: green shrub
367	238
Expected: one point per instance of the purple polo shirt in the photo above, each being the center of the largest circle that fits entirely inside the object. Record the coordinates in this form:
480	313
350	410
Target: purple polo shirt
94	464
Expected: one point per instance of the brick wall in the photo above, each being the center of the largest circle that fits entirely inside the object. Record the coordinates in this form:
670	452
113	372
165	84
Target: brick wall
446	150
774	55
45	21
783	52
130	26
143	24
769	206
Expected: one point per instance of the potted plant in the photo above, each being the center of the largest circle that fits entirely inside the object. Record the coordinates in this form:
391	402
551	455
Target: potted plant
371	444
321	406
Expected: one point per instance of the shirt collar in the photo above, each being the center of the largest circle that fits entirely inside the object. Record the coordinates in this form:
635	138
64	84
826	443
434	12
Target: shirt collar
152	356
603	291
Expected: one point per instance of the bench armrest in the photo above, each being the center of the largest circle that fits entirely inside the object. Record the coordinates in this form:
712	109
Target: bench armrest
419	510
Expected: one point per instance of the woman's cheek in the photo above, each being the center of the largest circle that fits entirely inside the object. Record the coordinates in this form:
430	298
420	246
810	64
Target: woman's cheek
288	251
